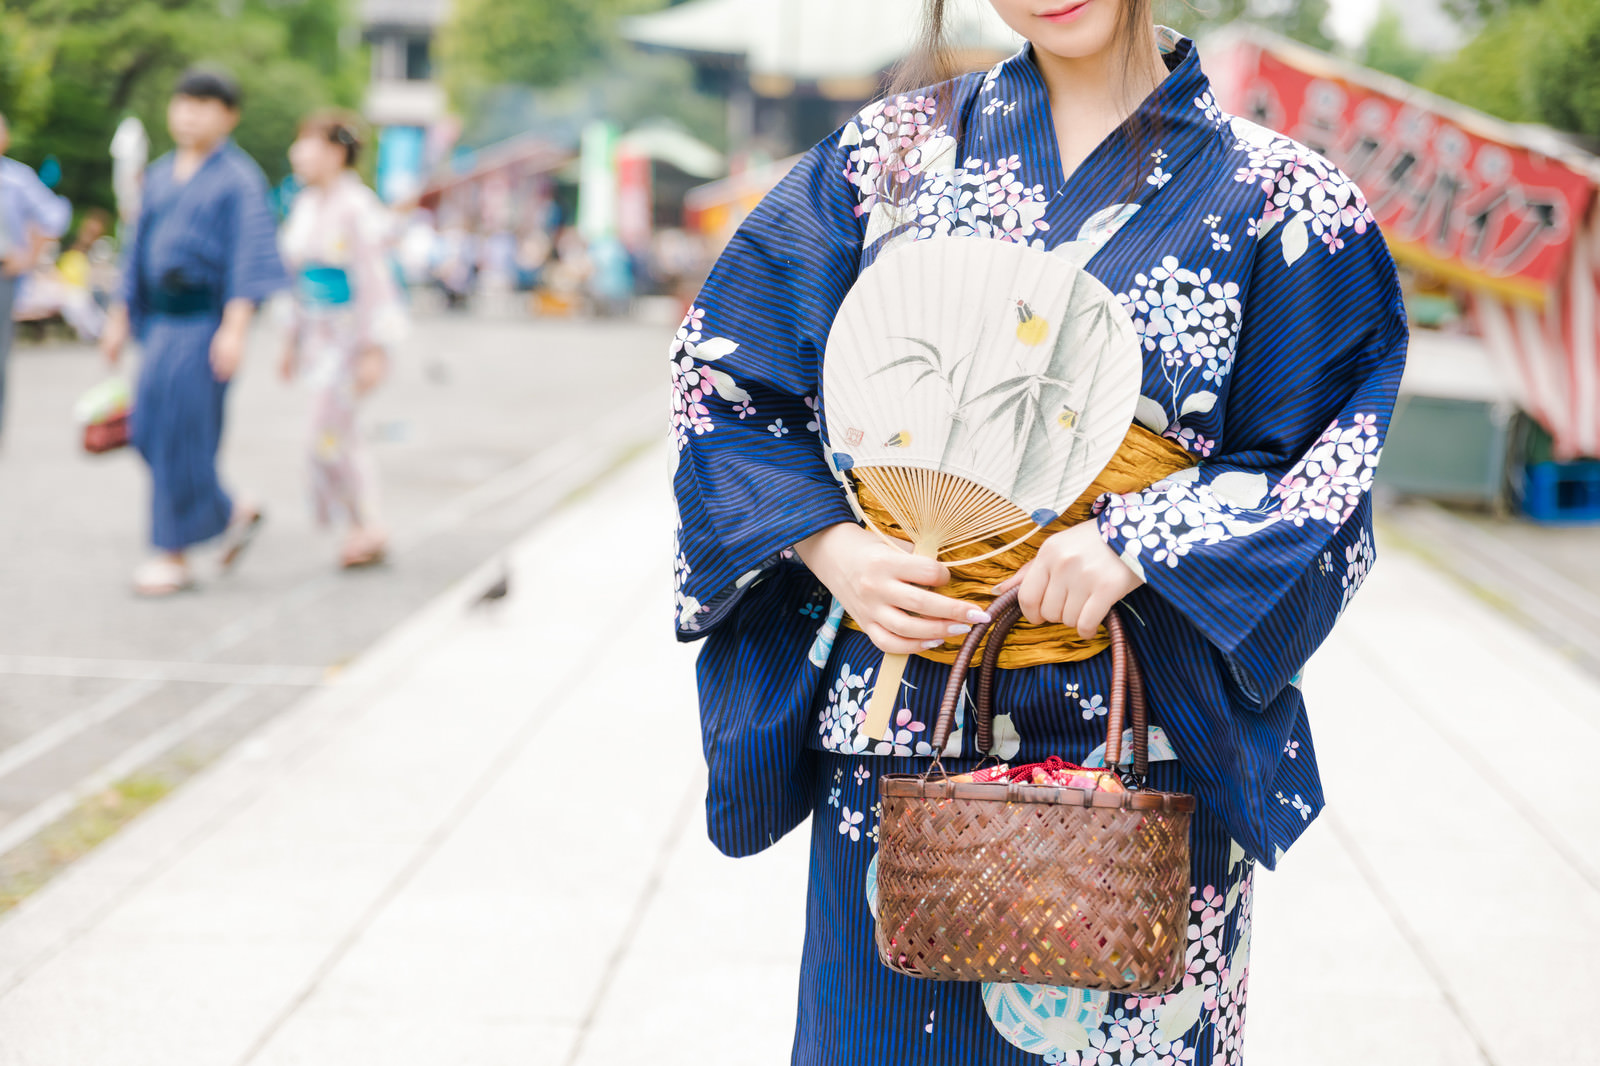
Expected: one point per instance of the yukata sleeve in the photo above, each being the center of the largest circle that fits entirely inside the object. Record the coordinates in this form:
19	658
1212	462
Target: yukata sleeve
131	285
43	209
252	268
1262	545
380	311
750	477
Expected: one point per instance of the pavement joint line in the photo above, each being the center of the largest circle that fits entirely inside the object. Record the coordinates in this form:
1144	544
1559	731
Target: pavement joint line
43	814
1480	766
1369	874
1492	560
371	676
1570	594
641	907
530	475
68	726
459	811
153	670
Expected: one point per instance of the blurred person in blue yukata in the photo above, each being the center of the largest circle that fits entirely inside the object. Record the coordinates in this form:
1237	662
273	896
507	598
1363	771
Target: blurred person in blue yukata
31	216
203	255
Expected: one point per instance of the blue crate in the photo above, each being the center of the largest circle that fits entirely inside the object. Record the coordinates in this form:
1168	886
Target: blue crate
1562	492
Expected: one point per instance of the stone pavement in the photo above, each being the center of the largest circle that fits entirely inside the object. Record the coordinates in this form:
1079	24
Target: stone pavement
408	868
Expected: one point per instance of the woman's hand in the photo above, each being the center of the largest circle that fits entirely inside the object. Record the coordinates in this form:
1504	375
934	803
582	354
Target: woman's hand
1075	580
114	334
887	590
371	366
289	362
227	351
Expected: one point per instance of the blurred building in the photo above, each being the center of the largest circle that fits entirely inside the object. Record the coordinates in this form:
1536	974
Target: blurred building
793	71
404	102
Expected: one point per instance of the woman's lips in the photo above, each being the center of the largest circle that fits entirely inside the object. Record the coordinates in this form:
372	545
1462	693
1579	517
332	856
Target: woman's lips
1066	13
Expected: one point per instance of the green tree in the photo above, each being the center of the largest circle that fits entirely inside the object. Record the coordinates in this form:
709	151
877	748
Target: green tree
1387	49
552	65
1530	63
105	59
1300	19
487	43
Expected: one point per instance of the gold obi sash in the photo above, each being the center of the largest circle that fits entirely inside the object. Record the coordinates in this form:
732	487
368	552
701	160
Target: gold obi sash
1142	459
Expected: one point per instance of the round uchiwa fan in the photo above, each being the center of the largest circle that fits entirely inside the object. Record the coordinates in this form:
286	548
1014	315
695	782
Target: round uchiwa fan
975	388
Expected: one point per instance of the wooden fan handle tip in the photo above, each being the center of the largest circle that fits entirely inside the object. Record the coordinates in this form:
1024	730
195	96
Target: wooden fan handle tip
880	708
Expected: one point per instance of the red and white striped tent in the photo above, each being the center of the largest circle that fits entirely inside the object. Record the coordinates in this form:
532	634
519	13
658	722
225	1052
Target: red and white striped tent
1505	211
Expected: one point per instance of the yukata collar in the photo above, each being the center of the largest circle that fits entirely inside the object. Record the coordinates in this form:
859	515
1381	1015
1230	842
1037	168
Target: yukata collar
1012	115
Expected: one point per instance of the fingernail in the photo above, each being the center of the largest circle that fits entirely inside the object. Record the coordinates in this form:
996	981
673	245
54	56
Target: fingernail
959	629
977	617
930	644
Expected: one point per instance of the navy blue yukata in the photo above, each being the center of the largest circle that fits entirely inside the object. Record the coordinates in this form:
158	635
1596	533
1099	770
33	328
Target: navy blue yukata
1273	337
197	245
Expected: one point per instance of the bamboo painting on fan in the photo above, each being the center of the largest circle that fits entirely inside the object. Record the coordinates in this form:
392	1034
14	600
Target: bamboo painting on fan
1261	314
1024	385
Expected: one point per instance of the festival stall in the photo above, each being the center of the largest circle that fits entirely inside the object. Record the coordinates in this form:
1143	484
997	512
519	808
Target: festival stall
1497	215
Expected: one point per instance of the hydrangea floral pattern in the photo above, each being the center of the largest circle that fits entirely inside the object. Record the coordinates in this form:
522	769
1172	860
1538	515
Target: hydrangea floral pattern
693	381
902	166
1188	322
1302	188
1177	513
1358	559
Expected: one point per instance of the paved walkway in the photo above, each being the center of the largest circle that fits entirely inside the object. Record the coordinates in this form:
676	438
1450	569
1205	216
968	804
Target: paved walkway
407	867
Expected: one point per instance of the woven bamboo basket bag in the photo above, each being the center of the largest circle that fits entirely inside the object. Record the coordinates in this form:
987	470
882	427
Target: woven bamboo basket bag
998	881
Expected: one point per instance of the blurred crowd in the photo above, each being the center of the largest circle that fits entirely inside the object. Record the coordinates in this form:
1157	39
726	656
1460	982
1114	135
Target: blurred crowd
550	264
201	244
72	279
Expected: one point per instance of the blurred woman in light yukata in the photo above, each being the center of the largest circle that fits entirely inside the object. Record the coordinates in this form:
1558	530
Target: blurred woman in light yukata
202	257
348	316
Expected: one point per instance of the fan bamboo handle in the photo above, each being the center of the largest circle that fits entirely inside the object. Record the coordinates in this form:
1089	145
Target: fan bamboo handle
881	707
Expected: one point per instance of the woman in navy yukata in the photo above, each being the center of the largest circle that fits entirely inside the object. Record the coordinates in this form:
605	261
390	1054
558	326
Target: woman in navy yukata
1273	338
203	256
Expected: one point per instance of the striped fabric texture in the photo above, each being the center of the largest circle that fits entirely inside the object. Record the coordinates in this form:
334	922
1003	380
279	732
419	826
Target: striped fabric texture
1274	338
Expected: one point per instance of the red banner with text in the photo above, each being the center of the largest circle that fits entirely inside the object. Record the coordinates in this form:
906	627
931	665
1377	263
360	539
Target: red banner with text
1450	195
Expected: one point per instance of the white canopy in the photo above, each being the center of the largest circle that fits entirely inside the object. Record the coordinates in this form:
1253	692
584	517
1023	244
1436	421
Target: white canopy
810	40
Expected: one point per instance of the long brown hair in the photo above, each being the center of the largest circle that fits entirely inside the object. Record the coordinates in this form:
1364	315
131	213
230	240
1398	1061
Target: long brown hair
934	63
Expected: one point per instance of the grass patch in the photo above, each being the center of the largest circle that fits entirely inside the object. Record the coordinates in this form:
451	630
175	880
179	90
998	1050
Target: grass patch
32	865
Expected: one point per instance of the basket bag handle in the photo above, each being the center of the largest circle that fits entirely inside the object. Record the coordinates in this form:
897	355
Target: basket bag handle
1127	688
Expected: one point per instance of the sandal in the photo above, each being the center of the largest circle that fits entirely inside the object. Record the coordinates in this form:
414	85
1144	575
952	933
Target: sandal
161	576
238	536
369	551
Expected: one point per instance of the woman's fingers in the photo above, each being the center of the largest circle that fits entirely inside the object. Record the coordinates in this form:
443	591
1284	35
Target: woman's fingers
910	627
1093	612
890	644
916	570
1072	606
1031	591
932	605
1011	582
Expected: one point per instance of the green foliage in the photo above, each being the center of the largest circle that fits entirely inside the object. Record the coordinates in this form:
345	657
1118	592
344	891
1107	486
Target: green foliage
1300	19
101	60
1387	49
488	43
1566	75
1531	63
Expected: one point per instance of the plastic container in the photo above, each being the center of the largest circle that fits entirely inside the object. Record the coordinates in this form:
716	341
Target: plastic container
1562	492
